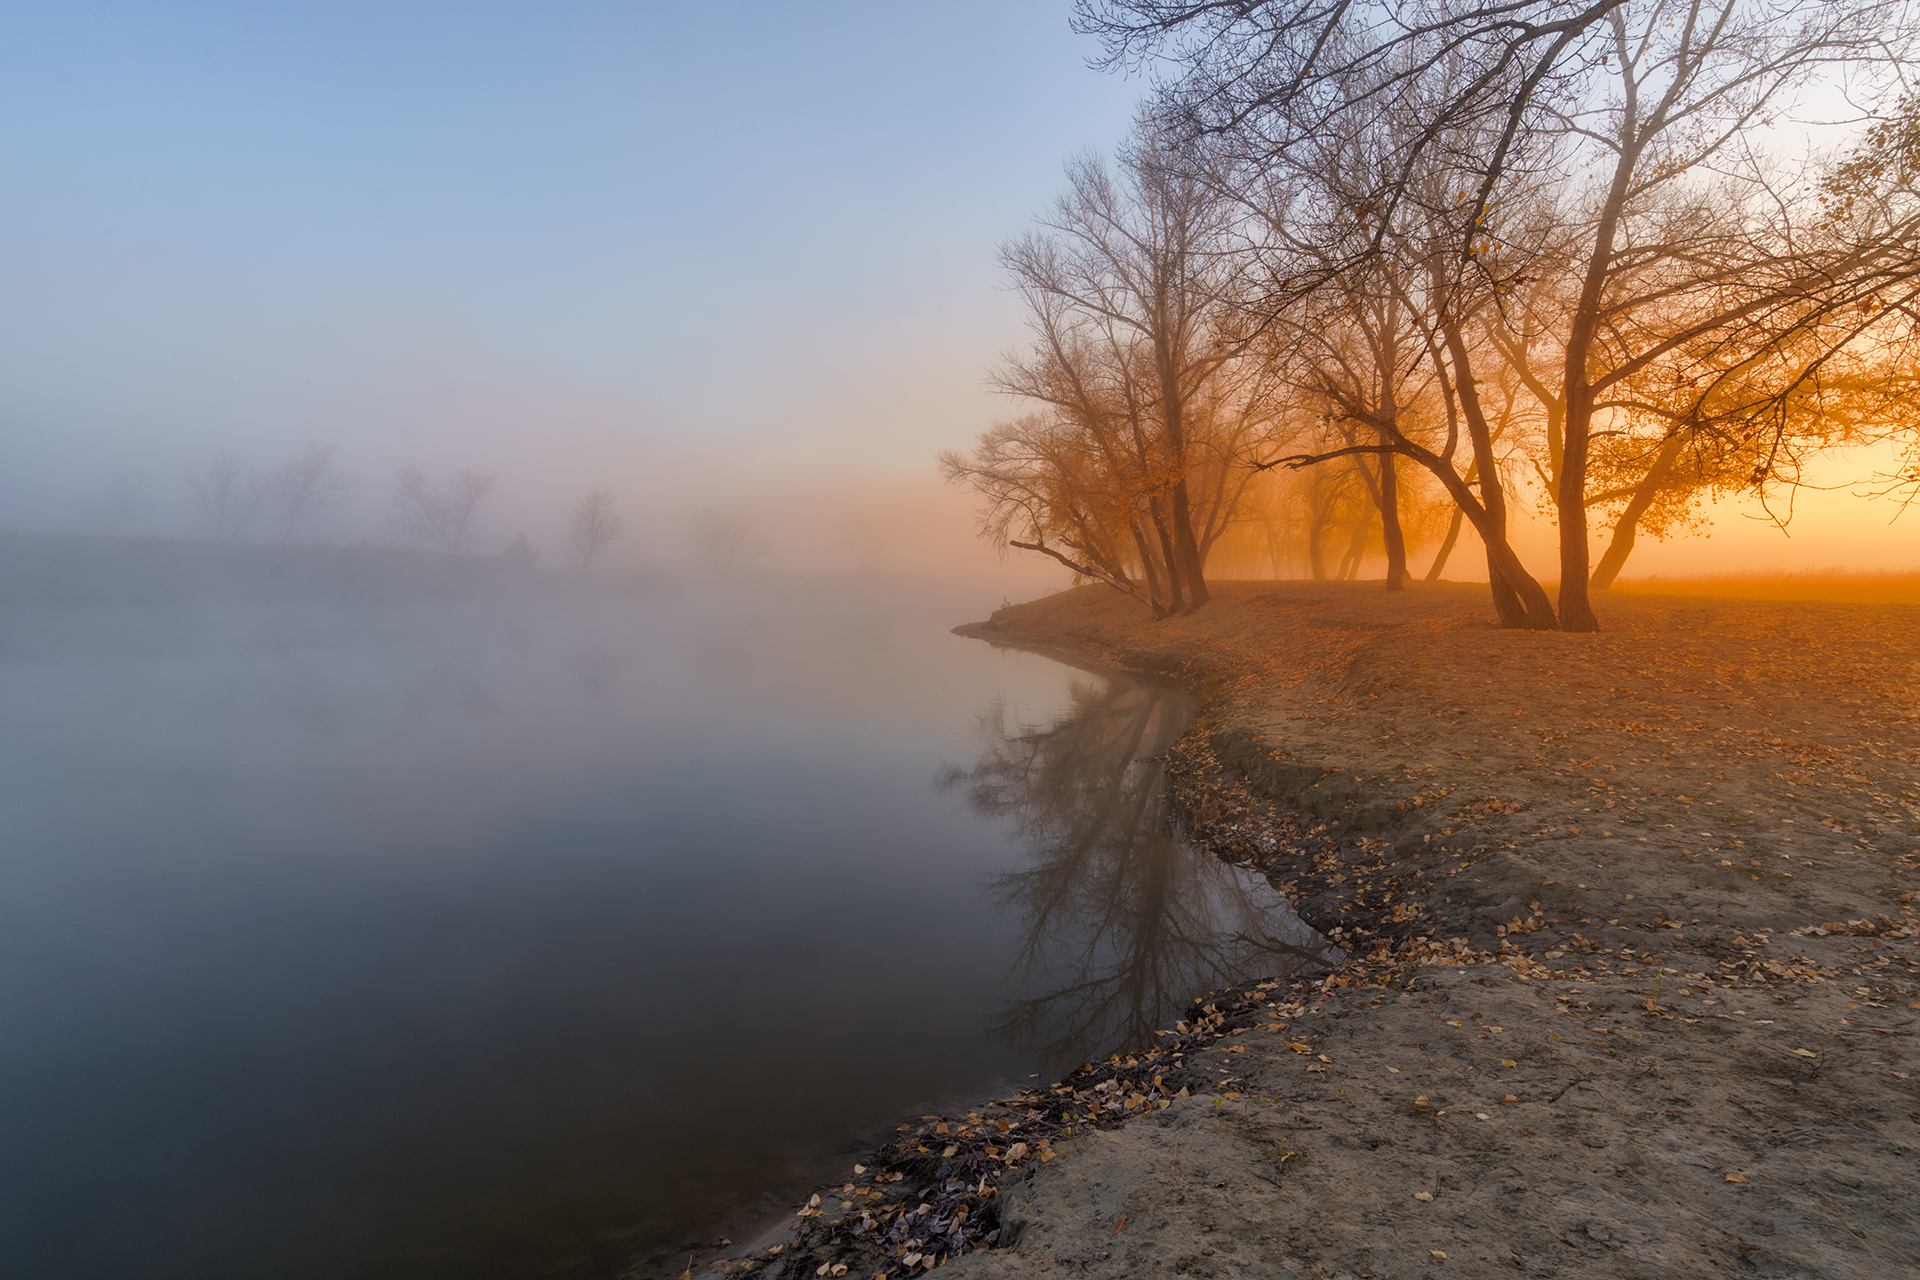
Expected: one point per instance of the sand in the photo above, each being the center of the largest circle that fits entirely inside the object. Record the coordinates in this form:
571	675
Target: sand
1633	973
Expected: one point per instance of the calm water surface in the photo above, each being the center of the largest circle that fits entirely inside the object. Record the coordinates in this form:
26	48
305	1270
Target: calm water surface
362	919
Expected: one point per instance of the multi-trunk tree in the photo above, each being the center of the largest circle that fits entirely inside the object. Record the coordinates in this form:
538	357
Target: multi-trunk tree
1576	146
1132	465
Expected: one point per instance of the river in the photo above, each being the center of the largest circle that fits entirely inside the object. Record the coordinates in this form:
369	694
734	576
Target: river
374	916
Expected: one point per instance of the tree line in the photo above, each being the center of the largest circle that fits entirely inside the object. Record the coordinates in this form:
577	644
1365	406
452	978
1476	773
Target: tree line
1379	267
233	503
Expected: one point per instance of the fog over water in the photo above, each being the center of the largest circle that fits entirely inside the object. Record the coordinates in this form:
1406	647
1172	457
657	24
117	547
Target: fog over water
409	915
396	887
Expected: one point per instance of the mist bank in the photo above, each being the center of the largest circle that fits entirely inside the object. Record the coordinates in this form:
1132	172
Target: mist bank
356	899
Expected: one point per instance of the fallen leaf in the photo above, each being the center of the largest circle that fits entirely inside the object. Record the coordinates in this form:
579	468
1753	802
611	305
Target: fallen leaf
1118	1225
1508	1062
1423	1195
1736	1177
1439	1253
1804	1053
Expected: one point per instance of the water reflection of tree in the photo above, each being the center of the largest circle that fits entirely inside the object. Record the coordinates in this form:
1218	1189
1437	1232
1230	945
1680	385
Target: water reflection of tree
1121	924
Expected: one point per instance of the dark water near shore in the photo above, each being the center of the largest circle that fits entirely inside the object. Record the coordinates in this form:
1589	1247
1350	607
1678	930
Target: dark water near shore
359	918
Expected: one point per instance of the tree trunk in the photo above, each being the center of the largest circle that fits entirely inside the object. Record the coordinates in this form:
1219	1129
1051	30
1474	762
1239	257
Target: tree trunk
1570	496
1149	570
1391	533
1519	600
1626	529
1316	557
1188	548
1576	610
1446	547
1507	601
1356	552
1168	563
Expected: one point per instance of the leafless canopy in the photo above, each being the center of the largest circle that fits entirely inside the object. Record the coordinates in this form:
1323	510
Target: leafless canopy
1566	195
226	496
595	524
438	515
310	485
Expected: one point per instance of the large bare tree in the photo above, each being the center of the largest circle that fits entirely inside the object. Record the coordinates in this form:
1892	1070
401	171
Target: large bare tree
1133	467
1554	138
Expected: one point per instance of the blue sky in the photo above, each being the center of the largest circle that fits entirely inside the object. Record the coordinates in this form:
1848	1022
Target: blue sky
563	240
738	258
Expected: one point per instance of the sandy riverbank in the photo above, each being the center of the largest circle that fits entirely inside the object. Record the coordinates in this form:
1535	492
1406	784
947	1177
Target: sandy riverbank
1635	978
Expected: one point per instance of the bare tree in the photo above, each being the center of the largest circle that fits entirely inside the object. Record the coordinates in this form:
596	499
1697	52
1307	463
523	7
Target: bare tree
1133	469
595	524
1369	315
1594	133
226	495
311	484
438	515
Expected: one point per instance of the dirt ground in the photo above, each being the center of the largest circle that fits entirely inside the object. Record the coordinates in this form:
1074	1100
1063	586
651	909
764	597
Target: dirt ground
1633	974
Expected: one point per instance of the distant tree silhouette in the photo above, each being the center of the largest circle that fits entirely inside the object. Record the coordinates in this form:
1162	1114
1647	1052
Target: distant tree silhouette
226	496
311	484
595	524
438	515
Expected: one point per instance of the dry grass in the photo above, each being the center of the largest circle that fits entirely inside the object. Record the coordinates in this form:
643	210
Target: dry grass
1828	585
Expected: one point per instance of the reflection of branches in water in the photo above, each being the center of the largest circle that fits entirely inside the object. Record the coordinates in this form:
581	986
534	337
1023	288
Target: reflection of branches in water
1121	923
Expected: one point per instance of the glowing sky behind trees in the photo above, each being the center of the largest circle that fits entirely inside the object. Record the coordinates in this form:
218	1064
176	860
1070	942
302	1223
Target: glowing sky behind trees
703	255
